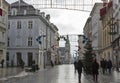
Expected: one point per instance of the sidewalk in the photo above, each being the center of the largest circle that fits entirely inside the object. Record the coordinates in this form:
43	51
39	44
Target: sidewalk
114	77
10	71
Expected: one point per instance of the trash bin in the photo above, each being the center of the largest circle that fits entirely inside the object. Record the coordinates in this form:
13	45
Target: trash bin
33	68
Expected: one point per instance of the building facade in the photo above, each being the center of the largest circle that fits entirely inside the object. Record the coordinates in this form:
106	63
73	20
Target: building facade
87	30
96	30
3	28
30	34
81	45
116	35
106	14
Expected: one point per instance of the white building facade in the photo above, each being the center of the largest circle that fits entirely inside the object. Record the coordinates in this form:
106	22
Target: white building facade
3	28
30	34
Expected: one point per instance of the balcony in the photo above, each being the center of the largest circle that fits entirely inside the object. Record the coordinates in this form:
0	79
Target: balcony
27	12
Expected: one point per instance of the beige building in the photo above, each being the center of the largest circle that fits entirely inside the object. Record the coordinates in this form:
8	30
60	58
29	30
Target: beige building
3	28
106	18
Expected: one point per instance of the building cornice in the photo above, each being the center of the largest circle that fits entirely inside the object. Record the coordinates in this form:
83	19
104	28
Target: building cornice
23	48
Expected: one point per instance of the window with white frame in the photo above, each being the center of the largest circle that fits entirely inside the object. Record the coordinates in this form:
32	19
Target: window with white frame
18	41
25	12
18	24
30	24
14	11
29	41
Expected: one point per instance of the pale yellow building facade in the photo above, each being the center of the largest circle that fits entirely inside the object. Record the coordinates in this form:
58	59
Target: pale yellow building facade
3	28
106	19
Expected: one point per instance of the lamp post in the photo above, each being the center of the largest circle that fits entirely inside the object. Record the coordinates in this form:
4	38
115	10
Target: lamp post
44	57
44	50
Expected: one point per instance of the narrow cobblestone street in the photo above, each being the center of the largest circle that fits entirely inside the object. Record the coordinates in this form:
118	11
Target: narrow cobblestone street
59	74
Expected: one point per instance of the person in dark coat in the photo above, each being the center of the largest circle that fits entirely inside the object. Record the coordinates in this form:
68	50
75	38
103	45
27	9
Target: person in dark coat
103	65
22	64
95	68
2	63
75	66
109	65
79	69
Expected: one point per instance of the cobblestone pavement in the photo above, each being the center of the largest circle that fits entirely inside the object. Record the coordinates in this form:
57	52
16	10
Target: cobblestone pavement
60	74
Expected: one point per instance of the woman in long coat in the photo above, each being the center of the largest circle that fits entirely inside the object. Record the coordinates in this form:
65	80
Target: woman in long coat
79	69
95	68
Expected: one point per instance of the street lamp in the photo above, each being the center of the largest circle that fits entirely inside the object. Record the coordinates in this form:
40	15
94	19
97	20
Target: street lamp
44	50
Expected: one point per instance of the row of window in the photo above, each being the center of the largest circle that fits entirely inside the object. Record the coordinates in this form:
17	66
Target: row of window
30	41
19	25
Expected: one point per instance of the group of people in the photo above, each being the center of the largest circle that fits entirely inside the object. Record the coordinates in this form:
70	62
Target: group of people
95	67
106	65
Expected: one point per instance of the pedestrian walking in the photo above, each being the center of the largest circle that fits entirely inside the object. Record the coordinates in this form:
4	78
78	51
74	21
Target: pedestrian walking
95	68
2	63
52	63
109	65
79	69
103	65
75	66
22	64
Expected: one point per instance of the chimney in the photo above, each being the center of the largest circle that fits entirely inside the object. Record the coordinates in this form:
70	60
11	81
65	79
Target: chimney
48	17
42	14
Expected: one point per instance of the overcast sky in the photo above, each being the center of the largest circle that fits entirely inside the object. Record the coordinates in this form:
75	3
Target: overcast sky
67	21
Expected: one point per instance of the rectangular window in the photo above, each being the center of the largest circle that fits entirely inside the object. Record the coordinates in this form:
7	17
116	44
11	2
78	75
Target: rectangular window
30	24
8	25
8	42
29	41
19	25
1	53
3	35
0	3
7	56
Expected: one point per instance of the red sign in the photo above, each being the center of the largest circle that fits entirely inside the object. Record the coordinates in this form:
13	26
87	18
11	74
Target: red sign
110	4
103	11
